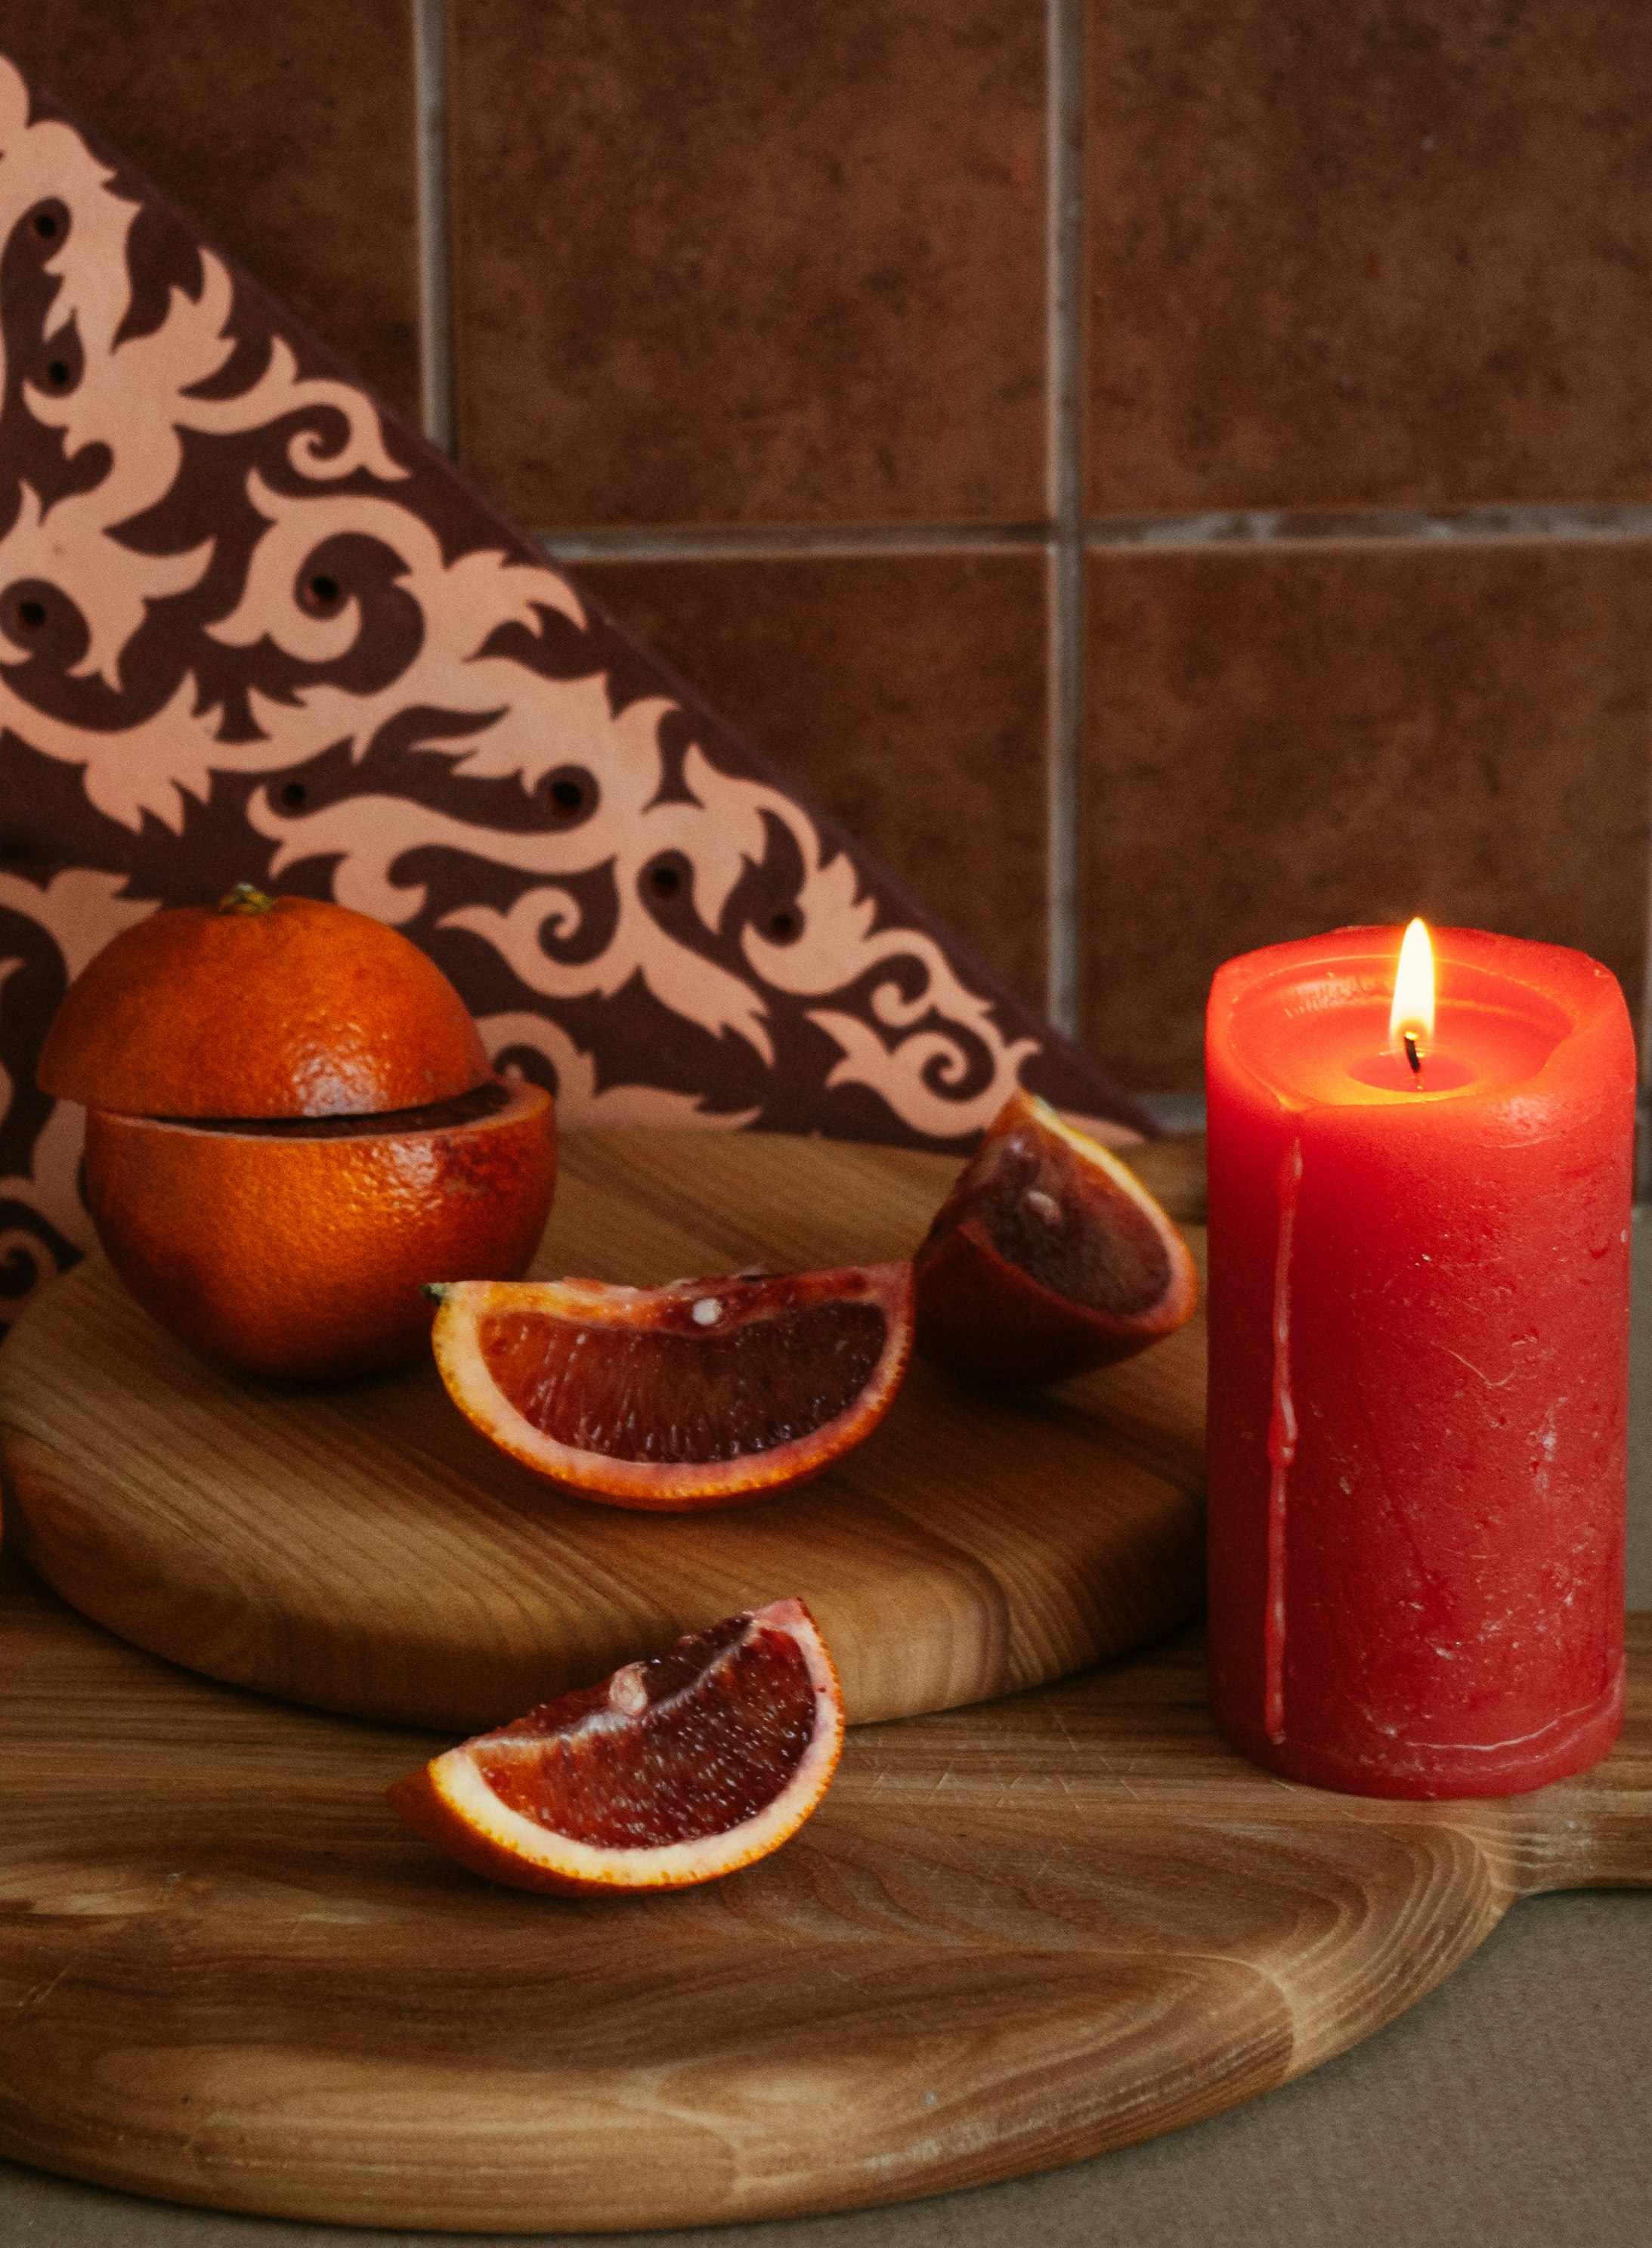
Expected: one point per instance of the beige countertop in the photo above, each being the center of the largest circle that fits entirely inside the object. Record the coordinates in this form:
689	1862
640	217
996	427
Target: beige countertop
1510	2107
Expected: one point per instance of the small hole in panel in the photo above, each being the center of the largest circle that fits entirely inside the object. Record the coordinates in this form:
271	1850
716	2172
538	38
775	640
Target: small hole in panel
32	614
785	925
322	591
569	795
57	374
665	881
47	225
294	796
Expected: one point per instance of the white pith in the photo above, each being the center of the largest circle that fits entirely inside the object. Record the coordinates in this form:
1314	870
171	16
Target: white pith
459	1783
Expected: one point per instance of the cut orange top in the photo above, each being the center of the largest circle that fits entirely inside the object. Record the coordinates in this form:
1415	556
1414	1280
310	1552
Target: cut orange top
261	1007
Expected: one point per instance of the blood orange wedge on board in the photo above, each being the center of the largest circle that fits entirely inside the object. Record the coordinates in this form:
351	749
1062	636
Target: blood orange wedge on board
703	1394
671	1772
1049	1258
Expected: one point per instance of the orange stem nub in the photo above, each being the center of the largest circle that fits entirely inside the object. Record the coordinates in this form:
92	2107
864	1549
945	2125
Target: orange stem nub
245	898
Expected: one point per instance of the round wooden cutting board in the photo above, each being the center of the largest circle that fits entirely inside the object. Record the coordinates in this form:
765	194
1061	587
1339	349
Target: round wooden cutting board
1010	1937
359	1547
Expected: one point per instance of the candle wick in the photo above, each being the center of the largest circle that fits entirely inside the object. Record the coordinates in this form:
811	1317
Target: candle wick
1414	1058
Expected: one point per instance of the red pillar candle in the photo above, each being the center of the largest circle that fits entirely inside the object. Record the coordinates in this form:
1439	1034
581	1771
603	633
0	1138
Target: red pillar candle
1418	1307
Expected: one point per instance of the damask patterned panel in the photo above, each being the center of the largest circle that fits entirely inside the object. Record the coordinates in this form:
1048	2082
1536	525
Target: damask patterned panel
253	627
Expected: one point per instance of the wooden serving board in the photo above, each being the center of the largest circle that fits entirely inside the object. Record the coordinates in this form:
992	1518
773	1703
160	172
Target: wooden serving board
361	1548
1010	1937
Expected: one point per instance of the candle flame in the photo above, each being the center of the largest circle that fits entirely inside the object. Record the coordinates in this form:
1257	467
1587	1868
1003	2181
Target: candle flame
1413	1008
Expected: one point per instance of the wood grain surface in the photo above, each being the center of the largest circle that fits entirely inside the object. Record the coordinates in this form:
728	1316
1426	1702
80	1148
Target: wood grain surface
1013	1936
361	1548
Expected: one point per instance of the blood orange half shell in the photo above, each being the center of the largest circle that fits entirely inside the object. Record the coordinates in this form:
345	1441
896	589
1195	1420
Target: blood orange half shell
1049	1258
298	1247
671	1772
703	1394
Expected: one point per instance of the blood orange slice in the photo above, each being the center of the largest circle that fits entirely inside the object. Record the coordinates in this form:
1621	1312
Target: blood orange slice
703	1394
1048	1258
671	1772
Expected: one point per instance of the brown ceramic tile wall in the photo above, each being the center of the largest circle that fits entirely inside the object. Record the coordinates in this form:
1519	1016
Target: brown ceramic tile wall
720	262
855	355
1362	260
1290	740
1370	255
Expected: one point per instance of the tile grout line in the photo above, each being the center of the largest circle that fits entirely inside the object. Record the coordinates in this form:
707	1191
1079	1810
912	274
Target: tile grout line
435	260
787	541
1557	519
1371	527
1065	225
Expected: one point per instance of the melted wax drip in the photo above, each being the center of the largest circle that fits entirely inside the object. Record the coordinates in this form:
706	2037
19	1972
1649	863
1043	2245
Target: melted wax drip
1281	1451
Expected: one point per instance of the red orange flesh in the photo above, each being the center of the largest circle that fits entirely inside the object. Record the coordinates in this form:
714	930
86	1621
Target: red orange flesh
1049	1258
703	1394
671	1772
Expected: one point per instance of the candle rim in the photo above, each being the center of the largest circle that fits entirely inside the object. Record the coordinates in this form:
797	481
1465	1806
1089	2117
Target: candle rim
1580	998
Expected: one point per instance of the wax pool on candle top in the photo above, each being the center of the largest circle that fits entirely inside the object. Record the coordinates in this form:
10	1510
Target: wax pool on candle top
1418	1305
